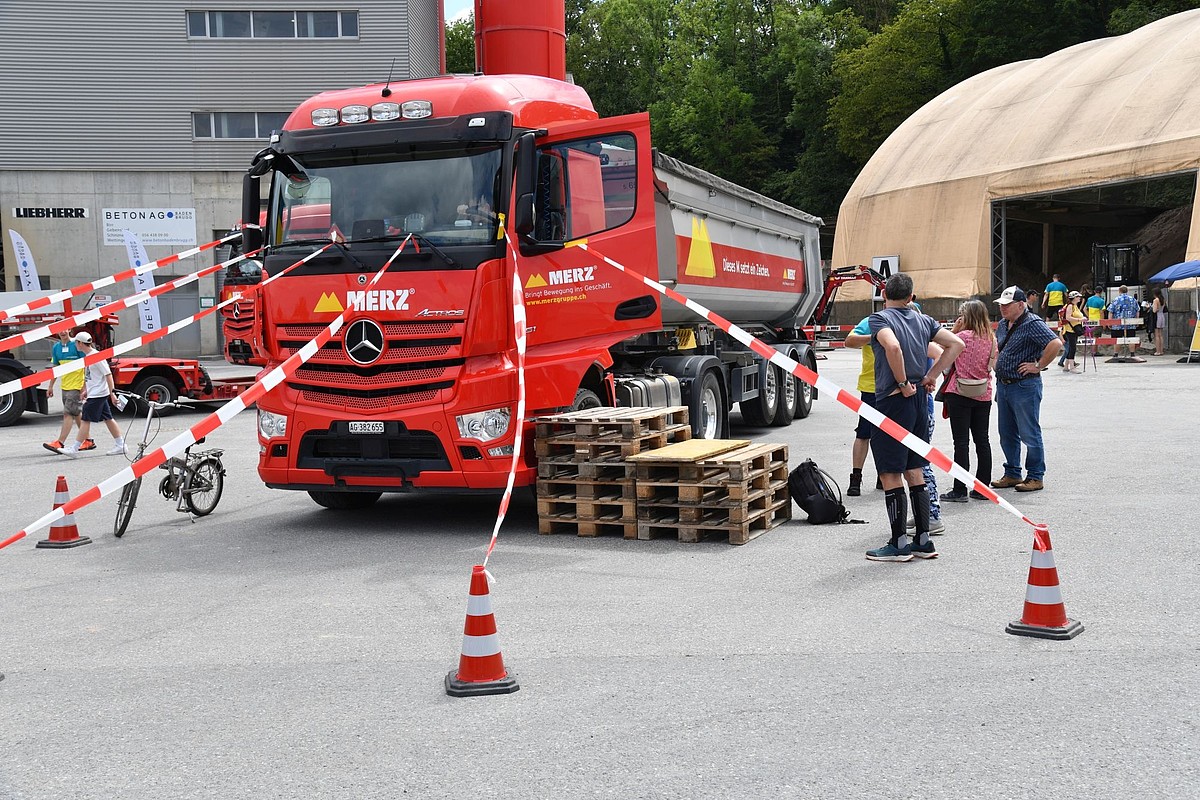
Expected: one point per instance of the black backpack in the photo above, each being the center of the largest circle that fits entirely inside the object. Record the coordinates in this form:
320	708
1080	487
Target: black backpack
817	494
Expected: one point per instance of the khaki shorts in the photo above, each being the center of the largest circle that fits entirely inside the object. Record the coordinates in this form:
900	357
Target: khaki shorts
72	405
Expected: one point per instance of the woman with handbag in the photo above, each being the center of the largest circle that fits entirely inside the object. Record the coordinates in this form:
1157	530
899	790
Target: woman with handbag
968	396
1072	325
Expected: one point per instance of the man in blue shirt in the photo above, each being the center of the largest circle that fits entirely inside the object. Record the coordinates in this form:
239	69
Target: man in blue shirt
1027	346
900	338
1125	306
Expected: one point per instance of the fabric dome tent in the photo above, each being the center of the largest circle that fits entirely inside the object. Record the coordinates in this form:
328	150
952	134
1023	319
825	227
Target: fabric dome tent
1100	112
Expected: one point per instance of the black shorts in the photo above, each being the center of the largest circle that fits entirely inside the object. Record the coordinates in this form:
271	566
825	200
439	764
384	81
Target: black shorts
911	414
864	429
96	409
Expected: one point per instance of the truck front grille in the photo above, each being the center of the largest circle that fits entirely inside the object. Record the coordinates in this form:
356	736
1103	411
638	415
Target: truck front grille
397	453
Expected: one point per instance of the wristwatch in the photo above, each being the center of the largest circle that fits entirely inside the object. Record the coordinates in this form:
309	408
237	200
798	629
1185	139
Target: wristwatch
904	383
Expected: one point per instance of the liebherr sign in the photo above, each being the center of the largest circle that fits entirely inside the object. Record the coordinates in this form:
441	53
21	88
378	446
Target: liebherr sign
153	226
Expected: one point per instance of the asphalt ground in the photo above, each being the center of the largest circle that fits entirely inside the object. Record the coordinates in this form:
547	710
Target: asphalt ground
279	650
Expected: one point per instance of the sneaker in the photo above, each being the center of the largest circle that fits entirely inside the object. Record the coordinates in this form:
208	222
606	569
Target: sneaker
1007	482
926	550
855	485
936	526
54	446
974	495
88	444
71	450
117	450
889	552
955	496
1029	485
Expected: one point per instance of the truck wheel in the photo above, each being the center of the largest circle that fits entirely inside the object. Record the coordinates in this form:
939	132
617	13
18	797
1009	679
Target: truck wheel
586	398
804	392
789	397
706	408
762	411
160	390
12	406
345	501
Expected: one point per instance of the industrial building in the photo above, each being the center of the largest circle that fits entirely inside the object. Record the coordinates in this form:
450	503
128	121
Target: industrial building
145	115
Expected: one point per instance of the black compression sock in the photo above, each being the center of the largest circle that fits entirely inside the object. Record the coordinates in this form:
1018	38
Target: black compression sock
920	506
897	508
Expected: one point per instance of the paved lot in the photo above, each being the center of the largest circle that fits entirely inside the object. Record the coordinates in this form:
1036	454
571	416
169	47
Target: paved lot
278	650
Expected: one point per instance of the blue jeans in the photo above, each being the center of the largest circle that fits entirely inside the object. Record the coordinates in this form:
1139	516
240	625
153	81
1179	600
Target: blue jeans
1018	411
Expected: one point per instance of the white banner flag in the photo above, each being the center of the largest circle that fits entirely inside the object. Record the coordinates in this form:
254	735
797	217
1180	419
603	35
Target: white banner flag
25	266
147	309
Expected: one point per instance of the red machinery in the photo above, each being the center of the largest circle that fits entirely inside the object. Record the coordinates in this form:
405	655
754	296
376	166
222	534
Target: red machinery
417	389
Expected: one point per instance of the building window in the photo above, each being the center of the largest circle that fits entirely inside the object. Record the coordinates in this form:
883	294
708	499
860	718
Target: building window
272	24
236	124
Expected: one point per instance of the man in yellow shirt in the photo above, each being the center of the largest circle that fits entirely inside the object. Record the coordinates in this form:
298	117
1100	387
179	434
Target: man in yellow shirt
64	350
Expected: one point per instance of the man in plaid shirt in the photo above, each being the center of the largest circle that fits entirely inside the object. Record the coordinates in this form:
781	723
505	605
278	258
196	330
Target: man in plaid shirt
1124	307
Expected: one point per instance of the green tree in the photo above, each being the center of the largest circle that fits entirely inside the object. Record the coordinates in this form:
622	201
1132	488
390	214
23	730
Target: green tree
460	45
1128	17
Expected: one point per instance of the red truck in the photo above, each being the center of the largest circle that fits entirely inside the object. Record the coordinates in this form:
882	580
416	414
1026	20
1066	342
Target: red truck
417	390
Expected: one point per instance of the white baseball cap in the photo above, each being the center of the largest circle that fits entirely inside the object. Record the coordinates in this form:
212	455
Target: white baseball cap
83	337
1012	294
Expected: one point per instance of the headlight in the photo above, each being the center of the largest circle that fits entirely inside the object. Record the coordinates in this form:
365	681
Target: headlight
271	425
484	426
356	113
385	111
322	117
416	109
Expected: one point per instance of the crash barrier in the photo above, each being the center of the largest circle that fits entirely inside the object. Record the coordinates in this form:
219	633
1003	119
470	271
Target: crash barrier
83	317
64	533
109	280
26	382
481	669
206	426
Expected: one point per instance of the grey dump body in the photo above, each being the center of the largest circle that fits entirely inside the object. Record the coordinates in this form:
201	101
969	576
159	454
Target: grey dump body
735	217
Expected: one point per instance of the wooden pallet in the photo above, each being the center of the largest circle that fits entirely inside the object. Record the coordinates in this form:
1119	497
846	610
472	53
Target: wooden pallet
779	512
715	507
739	465
586	510
623	422
568	469
712	490
610	446
586	488
592	527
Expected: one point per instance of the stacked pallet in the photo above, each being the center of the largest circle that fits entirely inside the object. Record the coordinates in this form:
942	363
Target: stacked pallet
583	486
727	488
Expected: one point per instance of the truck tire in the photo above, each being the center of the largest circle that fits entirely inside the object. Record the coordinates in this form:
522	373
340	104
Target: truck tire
586	398
762	411
345	501
707	407
12	406
158	389
789	397
804	392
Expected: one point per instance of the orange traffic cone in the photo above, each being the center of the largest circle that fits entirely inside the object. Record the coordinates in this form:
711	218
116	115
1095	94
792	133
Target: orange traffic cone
481	666
1045	615
63	533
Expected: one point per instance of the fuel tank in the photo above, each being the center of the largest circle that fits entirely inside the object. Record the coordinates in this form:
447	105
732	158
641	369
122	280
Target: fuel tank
747	257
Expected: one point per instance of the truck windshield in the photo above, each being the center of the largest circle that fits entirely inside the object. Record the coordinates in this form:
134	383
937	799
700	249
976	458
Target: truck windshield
447	195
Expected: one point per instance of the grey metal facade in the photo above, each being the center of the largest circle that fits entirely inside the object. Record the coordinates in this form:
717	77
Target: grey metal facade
96	112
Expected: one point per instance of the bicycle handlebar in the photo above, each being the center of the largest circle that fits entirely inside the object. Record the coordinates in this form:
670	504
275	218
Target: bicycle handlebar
179	402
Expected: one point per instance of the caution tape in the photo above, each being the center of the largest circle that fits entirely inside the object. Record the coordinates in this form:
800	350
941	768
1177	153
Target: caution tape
87	316
75	365
850	401
202	428
519	331
84	288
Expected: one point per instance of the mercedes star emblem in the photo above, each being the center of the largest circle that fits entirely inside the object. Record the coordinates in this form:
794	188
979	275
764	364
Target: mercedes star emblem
363	341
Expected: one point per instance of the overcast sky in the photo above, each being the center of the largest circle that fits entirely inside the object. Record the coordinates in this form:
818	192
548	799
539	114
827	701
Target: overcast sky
458	8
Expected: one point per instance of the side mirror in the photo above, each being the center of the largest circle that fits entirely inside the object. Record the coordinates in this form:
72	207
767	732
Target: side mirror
525	185
252	235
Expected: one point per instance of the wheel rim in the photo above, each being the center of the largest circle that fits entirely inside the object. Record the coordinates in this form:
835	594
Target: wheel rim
157	393
708	405
205	499
771	389
6	404
789	391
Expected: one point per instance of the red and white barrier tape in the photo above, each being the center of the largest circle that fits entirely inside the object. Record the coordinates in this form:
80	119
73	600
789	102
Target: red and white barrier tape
519	331
87	316
850	401
202	428
103	355
84	288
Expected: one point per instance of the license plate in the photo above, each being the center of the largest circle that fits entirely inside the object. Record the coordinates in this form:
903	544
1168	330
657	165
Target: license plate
366	427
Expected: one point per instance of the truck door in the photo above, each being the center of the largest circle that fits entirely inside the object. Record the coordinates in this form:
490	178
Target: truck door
595	181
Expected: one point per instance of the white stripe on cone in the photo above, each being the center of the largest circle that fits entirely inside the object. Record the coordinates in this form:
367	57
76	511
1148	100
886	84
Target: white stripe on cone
481	646
1043	595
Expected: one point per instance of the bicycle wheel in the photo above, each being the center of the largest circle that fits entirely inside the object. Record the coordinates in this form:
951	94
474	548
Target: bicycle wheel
125	506
203	491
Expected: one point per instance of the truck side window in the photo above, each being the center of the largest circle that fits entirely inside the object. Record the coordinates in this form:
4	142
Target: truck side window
585	187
